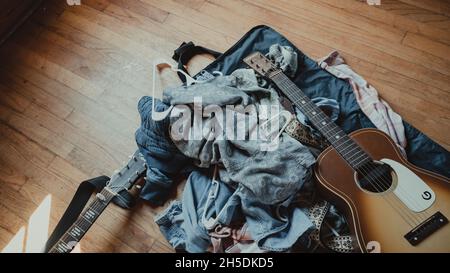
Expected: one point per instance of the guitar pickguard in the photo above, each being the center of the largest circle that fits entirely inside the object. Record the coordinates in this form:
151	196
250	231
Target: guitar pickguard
410	188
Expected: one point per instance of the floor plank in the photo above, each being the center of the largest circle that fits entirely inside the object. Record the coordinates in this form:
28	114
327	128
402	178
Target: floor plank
71	77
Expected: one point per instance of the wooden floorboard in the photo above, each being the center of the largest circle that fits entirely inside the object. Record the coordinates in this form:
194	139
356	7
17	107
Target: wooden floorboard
70	79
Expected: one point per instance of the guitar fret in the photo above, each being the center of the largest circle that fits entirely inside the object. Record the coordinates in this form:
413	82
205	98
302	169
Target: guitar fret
90	213
354	159
87	220
64	245
358	164
78	227
73	237
351	150
302	102
61	249
119	181
343	144
332	132
75	232
346	140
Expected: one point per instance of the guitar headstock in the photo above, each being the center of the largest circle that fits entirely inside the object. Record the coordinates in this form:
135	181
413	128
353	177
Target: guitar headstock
261	64
127	176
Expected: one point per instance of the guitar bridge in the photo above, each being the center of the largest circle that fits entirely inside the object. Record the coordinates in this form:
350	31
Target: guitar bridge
426	228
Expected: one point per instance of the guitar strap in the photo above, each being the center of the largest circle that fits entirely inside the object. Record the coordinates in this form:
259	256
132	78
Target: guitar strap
302	134
78	202
187	51
339	243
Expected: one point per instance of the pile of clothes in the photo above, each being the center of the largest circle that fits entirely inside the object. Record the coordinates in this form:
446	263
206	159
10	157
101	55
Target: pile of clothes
241	193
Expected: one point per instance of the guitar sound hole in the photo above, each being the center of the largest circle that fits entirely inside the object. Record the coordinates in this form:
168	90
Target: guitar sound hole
375	177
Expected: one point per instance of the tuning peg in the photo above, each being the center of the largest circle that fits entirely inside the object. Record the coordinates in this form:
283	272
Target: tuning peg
135	190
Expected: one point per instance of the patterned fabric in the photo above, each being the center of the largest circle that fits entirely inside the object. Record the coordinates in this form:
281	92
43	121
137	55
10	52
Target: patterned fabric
317	213
338	243
342	244
302	133
233	240
376	109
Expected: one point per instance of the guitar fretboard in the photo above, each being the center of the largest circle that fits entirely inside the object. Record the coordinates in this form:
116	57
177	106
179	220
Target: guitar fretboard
74	234
343	144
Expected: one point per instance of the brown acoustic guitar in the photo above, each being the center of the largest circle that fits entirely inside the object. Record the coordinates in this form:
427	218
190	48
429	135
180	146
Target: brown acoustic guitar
388	202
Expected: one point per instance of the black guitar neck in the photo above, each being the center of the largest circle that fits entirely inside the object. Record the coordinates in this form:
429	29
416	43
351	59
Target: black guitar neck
123	179
86	219
346	147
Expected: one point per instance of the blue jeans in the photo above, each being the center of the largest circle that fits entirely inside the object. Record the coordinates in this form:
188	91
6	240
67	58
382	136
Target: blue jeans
207	203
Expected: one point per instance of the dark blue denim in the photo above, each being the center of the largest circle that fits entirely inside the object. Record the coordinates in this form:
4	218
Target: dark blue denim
317	82
185	224
182	223
162	156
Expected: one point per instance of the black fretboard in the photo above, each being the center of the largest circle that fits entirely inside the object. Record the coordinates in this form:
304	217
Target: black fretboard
74	234
344	145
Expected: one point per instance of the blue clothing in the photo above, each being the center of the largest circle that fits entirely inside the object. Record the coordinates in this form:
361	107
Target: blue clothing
256	187
161	155
182	223
185	224
317	82
271	176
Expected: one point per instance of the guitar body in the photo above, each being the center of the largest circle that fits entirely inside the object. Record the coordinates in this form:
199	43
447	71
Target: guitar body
376	216
390	204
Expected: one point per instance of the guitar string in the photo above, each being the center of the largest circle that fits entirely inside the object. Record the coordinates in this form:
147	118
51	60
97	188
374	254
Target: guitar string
391	204
81	226
421	215
351	159
417	216
384	195
372	183
385	180
96	204
309	107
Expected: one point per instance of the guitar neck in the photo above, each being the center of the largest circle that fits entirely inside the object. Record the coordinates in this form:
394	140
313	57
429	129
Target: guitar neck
343	144
86	219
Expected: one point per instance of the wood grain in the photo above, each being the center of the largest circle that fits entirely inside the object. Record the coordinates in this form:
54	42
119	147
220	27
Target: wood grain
71	77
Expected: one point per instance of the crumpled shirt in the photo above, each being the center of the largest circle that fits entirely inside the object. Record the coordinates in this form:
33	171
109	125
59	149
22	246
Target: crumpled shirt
269	176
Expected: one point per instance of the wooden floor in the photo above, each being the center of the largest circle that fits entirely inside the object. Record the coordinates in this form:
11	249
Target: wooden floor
70	79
